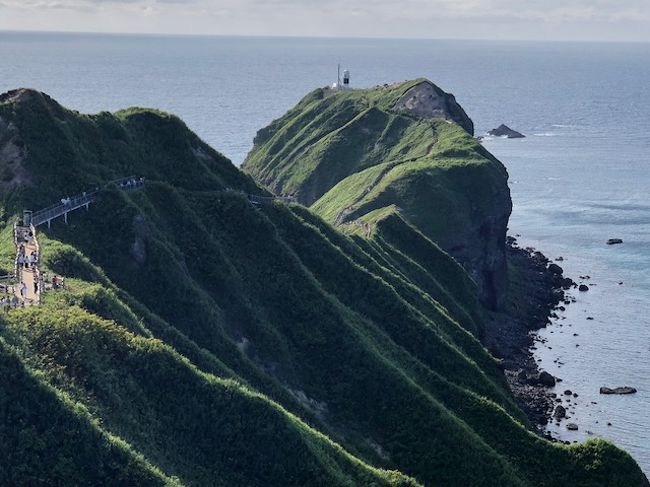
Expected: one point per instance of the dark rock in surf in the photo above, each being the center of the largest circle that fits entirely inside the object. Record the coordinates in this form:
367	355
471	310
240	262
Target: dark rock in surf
614	241
546	379
618	390
505	131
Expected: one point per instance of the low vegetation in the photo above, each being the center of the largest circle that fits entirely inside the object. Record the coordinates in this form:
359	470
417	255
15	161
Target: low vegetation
203	341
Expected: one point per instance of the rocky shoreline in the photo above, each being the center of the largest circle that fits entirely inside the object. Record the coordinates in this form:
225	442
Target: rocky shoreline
536	290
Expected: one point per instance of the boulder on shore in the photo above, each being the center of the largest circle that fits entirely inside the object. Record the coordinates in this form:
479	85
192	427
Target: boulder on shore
618	390
505	131
560	412
614	241
546	379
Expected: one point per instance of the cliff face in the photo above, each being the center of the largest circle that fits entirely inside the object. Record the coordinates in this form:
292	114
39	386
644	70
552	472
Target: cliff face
409	145
426	100
201	340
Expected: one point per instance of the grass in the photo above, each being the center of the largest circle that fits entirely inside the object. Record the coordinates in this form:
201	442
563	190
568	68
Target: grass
203	341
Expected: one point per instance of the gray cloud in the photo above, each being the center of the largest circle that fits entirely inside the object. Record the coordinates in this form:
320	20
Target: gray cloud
613	19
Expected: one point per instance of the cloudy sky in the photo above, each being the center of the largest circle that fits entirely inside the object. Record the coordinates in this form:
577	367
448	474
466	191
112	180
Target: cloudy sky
618	20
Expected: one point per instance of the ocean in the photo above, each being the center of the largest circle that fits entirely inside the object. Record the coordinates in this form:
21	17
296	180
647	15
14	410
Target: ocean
579	178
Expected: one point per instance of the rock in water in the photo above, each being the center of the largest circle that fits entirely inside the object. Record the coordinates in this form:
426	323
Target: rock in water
583	288
505	131
614	241
618	390
560	412
546	379
572	427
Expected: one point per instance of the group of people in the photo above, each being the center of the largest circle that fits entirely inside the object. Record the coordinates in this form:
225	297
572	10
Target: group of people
27	261
132	183
19	299
8	302
13	301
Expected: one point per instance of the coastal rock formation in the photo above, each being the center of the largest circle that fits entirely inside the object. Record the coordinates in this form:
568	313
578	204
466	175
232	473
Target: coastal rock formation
560	412
618	390
546	379
505	131
614	241
426	100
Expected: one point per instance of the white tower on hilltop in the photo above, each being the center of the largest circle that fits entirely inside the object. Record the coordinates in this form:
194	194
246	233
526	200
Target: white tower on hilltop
344	83
346	79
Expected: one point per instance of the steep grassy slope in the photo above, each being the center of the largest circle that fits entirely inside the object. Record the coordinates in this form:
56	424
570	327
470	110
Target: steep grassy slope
222	344
353	152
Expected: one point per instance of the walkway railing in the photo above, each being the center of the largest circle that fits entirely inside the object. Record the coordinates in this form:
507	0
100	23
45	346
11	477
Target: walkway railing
268	200
17	267
67	205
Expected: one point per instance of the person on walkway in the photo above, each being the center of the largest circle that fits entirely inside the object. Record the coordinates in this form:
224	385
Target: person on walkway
21	260
23	291
14	301
35	287
32	259
55	282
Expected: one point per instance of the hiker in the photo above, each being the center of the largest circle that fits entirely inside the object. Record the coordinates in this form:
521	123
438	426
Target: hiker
23	291
35	287
14	301
21	260
55	282
32	259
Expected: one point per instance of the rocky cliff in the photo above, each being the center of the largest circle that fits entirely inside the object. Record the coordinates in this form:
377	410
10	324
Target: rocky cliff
409	145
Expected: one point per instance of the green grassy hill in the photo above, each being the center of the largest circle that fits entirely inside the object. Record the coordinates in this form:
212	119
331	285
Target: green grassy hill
204	341
409	145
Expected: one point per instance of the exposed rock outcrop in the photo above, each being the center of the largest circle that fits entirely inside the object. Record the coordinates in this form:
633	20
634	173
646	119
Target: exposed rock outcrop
618	390
426	100
505	131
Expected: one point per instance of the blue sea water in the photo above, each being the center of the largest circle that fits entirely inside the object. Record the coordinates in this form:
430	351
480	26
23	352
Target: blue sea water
581	176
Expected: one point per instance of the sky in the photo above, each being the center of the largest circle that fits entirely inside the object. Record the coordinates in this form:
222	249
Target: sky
585	20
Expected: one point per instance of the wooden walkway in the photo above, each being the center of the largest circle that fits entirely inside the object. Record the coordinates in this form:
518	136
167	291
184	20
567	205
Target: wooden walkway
28	278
